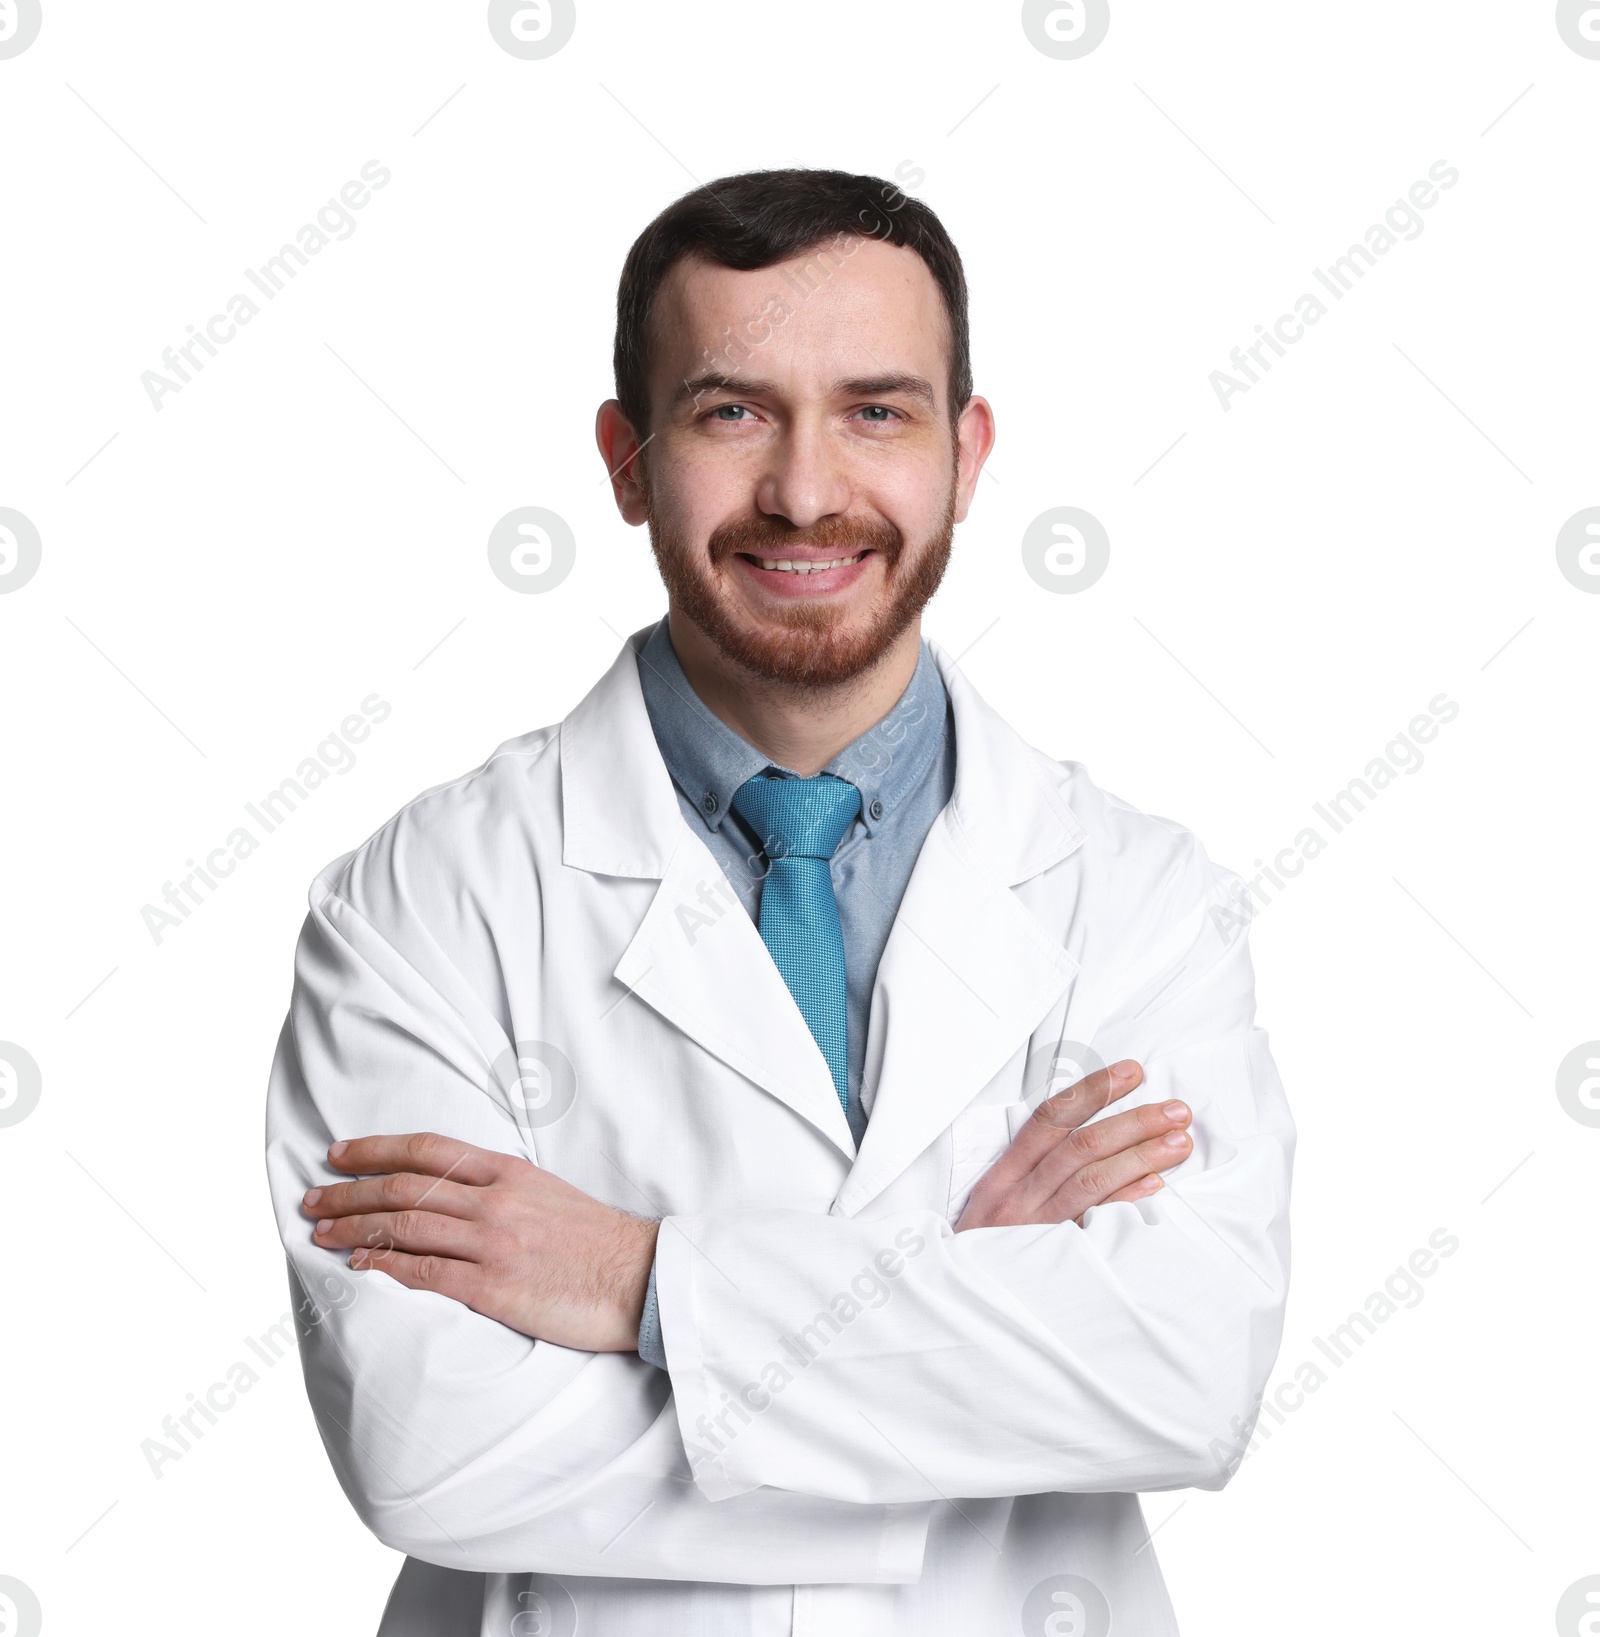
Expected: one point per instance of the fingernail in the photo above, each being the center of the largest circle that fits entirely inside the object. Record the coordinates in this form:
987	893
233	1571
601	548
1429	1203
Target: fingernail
1175	1139
1151	1184
1174	1111
324	1227
312	1196
337	1149
358	1258
1124	1072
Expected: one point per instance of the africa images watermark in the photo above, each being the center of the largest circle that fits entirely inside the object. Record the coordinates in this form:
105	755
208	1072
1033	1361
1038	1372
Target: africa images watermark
1403	754
20	1086
819	266
333	221
1402	1289
180	1432
1402	220
334	755
868	1291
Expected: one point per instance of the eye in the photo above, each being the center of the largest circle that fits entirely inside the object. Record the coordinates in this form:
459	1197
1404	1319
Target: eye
729	412
874	411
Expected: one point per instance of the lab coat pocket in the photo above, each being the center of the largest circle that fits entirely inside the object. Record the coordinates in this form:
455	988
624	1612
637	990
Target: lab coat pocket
978	1137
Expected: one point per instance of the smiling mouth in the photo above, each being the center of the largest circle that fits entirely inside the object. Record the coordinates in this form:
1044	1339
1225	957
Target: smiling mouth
786	565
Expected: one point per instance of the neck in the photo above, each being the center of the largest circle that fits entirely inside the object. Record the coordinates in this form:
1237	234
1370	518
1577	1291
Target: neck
796	727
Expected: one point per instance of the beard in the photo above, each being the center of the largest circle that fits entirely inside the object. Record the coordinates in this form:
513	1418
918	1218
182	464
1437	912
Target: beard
806	644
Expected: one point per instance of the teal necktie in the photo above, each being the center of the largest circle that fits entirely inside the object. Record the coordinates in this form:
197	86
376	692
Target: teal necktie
800	822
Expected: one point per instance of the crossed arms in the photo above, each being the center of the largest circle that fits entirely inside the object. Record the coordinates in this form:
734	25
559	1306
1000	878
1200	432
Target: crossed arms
1100	1349
518	1244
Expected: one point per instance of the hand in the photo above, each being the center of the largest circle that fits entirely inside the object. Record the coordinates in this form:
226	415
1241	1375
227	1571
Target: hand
1057	1167
491	1230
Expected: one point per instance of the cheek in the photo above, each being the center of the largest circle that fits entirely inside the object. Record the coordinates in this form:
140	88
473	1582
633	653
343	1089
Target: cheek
912	485
698	488
917	510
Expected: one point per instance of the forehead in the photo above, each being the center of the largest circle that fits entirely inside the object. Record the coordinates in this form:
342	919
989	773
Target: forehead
846	305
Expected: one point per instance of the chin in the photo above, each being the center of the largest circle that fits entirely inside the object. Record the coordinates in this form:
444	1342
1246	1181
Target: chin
807	647
815	644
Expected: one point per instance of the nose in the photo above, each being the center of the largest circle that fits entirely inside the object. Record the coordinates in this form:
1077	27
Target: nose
805	479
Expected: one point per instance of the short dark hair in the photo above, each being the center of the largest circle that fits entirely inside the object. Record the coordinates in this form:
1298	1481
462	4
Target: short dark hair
760	218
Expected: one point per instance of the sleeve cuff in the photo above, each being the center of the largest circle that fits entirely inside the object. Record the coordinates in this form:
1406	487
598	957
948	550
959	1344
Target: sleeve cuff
651	1349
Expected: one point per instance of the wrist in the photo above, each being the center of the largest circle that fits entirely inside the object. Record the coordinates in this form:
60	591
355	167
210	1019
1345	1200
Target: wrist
638	1257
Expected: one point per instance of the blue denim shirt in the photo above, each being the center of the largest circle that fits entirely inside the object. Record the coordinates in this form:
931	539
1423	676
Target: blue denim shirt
904	765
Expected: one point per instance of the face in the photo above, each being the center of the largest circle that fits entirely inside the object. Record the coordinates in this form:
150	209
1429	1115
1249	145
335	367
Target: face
803	480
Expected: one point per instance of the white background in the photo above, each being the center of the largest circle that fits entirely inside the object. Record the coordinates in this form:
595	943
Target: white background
304	524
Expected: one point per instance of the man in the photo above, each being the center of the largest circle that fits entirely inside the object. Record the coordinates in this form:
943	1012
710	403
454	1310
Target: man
679	1082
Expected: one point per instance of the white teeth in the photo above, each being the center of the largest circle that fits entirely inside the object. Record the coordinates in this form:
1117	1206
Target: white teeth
786	567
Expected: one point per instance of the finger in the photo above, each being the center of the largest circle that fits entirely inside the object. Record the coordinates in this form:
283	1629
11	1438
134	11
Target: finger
1142	1189
420	1232
462	1281
1058	1116
420	1151
398	1191
1102	1139
1085	1098
1100	1179
1069	1109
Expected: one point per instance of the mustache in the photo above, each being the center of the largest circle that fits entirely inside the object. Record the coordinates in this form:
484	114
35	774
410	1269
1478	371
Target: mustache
843	536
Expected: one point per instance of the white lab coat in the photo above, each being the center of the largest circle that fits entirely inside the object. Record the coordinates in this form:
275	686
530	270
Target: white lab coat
872	1425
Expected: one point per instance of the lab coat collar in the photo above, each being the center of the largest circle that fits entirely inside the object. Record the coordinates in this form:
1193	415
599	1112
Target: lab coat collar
620	814
966	976
1010	803
968	973
696	958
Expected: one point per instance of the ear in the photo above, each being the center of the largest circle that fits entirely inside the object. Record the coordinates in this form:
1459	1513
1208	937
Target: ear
975	435
619	447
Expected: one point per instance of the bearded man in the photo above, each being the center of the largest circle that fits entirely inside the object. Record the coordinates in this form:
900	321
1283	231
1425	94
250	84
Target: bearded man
722	1096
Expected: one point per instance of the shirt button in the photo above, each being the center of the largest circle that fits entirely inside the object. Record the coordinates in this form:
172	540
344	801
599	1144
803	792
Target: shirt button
708	803
876	809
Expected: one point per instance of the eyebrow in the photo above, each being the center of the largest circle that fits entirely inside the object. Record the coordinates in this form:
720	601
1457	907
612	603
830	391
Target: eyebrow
893	383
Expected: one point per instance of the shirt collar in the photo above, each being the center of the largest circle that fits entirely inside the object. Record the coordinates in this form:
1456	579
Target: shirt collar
709	761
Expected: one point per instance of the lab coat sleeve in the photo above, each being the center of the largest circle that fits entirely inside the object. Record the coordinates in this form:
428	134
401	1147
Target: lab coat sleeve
458	1440
893	1359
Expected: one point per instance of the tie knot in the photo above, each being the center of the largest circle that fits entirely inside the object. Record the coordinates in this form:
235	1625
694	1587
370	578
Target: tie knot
798	818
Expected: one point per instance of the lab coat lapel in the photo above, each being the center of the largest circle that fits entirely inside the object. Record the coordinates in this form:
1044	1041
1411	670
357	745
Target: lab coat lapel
968	973
697	959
